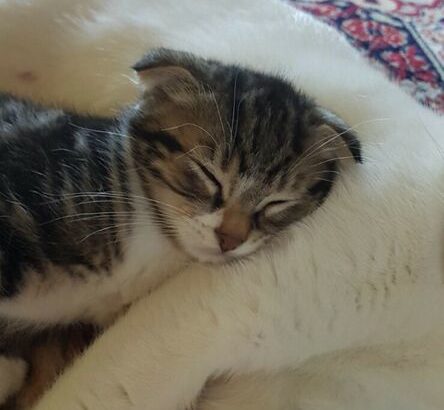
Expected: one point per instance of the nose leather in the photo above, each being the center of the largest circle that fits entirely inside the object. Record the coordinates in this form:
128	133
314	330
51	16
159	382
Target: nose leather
234	229
228	242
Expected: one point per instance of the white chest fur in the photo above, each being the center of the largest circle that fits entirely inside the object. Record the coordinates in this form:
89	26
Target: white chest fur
58	297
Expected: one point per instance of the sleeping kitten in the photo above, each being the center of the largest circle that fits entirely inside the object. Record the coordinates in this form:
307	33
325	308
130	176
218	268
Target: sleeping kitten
211	162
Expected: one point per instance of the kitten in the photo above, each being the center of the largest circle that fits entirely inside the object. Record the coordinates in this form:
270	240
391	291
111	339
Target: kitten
208	165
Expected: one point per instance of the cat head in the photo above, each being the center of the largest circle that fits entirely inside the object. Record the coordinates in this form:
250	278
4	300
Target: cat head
230	157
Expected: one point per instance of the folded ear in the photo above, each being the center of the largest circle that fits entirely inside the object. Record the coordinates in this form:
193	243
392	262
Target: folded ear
337	127
167	69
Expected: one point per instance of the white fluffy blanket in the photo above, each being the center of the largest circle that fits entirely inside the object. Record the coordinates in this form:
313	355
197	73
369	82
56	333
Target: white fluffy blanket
78	53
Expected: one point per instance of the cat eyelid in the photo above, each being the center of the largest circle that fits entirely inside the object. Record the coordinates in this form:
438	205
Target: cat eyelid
267	209
218	200
277	205
207	173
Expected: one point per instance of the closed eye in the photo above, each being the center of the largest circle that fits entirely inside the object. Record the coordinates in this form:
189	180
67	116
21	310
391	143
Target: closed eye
274	207
217	197
269	209
273	203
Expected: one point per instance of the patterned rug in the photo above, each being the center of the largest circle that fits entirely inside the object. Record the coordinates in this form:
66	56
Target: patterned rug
407	37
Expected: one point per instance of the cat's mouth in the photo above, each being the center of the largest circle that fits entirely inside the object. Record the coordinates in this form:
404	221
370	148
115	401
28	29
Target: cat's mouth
210	255
214	254
218	237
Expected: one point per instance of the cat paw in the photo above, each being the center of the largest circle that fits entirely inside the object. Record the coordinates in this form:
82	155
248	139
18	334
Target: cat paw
12	376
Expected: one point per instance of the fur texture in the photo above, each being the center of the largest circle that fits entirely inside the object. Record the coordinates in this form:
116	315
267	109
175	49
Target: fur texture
352	306
211	162
12	375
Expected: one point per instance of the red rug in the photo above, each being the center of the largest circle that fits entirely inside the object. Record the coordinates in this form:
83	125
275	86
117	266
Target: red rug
407	37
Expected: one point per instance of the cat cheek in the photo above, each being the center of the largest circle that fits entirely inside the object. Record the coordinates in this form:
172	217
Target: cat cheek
255	241
171	203
273	226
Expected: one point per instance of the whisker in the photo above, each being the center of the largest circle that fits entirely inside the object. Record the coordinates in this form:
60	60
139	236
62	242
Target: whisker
234	106
194	149
103	197
101	131
88	215
175	127
325	171
317	146
331	160
213	96
106	215
237	124
147	201
107	228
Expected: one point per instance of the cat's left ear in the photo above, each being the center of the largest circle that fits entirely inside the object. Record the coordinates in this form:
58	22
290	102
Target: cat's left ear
167	70
336	127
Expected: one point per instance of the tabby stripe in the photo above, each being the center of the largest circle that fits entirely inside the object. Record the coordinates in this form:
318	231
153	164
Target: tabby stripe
321	188
157	174
209	175
159	137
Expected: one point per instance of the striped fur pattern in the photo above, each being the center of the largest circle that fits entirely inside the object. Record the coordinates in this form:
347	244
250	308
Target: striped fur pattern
213	160
210	163
245	154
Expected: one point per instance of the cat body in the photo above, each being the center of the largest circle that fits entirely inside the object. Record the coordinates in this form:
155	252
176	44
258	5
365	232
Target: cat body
97	211
210	163
375	334
67	182
346	315
79	240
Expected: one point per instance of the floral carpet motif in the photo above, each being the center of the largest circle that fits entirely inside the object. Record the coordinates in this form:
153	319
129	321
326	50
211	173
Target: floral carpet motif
407	37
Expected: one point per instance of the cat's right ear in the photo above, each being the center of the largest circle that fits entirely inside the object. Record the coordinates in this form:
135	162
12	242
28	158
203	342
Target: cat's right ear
334	126
167	70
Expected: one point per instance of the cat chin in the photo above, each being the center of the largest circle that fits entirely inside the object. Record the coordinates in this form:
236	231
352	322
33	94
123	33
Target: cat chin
209	256
214	260
215	256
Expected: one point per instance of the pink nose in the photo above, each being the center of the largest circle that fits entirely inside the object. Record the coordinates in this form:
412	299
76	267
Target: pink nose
228	242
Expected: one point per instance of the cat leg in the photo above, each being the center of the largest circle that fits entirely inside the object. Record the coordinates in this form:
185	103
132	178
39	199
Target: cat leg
291	390
12	376
161	353
406	376
48	357
259	391
299	389
209	321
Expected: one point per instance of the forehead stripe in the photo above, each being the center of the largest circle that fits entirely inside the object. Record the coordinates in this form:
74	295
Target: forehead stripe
208	174
158	174
165	139
160	137
322	187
